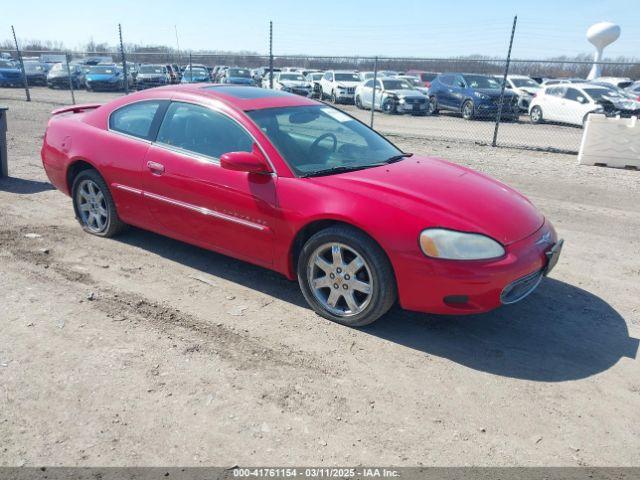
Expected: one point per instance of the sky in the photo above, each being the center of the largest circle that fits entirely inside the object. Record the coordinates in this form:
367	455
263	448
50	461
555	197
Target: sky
427	28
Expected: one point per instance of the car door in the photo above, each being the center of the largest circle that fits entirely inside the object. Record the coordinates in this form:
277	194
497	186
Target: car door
577	106
192	198
552	108
458	92
366	93
444	93
122	153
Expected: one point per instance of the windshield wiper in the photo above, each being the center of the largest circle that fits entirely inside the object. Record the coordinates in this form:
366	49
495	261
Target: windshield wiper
397	158
340	169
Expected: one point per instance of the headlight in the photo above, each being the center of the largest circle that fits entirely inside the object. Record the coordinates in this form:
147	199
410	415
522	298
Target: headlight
452	245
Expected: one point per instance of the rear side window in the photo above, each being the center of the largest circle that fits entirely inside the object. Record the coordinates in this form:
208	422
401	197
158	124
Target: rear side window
572	94
200	130
446	79
135	119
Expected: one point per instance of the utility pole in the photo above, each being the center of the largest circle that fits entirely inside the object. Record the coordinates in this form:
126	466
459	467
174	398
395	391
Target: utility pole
271	54
24	74
177	41
124	62
504	83
190	69
375	81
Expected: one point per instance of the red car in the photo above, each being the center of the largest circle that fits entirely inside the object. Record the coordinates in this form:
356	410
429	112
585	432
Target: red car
297	186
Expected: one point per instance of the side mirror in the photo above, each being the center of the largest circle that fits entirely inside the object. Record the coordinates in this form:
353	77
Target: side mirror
250	162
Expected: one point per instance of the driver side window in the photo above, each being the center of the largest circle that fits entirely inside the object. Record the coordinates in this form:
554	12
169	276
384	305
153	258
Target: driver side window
197	129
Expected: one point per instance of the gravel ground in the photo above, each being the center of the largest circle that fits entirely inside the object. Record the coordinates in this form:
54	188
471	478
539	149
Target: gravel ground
142	350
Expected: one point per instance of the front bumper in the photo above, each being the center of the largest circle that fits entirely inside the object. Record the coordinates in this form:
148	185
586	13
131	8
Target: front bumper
412	107
467	287
105	86
510	108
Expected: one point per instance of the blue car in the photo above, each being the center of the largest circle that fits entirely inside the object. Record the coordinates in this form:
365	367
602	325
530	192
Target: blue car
10	74
195	75
238	76
106	78
472	96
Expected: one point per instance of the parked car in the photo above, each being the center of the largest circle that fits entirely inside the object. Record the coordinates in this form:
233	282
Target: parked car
339	85
425	77
238	76
299	187
195	75
393	95
58	76
266	78
106	78
152	76
314	80
634	89
292	82
620	82
540	80
366	75
471	95
573	103
525	87
415	83
10	74
559	81
36	73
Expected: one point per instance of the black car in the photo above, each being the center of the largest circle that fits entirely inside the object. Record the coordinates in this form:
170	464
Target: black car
36	73
58	76
152	76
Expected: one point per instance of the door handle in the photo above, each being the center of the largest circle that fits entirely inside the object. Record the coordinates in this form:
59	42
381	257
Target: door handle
155	168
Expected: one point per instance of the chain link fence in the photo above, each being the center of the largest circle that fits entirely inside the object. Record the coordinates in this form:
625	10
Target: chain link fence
446	125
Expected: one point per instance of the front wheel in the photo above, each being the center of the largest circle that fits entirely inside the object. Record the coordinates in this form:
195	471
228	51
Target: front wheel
334	98
359	102
432	107
346	277
389	106
536	115
467	110
94	206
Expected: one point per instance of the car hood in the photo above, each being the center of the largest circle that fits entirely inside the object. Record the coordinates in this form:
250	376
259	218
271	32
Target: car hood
348	84
405	93
241	80
294	83
100	76
442	194
530	90
9	70
151	75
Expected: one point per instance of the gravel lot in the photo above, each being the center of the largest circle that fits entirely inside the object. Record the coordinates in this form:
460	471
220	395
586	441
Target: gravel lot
142	350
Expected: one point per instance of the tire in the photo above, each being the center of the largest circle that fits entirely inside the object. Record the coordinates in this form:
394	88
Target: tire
374	274
94	206
536	115
433	106
359	103
334	98
320	94
390	106
467	110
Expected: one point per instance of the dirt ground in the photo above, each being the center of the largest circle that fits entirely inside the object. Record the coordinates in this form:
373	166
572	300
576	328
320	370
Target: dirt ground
142	350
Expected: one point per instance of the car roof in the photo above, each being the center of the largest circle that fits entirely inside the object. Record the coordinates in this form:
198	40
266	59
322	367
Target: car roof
238	97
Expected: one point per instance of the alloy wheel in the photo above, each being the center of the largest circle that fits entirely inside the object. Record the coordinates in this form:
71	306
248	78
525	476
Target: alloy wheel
92	206
340	279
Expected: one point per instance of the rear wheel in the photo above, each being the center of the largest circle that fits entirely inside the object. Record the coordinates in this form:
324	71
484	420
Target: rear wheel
536	115
359	102
346	277
467	110
94	206
334	98
432	108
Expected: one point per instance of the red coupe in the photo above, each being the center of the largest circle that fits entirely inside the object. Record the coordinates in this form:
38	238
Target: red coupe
302	188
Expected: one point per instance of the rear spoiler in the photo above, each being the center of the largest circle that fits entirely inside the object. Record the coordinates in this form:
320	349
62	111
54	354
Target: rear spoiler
76	108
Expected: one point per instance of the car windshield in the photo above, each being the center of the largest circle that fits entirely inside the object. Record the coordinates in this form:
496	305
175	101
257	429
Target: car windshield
524	82
57	68
196	71
347	77
33	67
103	70
479	81
396	85
316	138
316	76
239	72
151	69
598	93
6	64
291	76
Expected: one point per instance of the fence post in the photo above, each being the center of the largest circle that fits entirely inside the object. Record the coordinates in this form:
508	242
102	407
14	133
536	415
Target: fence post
373	97
504	83
124	62
190	69
24	74
73	96
271	55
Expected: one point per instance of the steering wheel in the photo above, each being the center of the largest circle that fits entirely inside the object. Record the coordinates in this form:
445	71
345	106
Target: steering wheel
317	141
